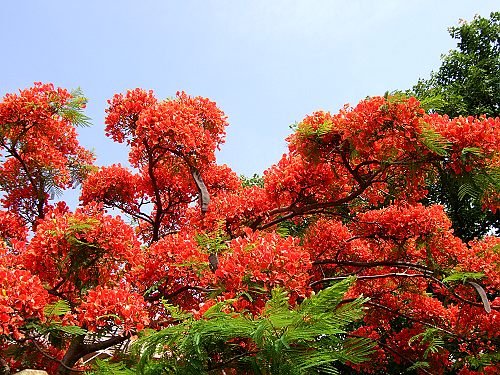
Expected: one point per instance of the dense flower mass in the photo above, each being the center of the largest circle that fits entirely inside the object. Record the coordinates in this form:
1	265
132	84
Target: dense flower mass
22	299
198	244
73	251
118	306
264	261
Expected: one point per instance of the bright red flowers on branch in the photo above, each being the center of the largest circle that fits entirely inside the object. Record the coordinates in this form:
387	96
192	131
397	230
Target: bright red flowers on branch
347	199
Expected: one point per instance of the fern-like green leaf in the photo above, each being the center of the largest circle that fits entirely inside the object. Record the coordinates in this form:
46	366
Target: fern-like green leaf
284	339
72	330
463	276
57	308
73	110
105	367
434	141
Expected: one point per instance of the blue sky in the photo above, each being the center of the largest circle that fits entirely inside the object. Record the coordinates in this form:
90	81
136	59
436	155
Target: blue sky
266	63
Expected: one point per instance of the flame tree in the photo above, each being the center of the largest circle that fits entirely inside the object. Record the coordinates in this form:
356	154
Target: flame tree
330	264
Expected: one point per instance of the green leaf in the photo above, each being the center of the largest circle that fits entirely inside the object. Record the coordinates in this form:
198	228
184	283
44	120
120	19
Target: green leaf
468	189
463	276
434	141
57	308
284	339
105	367
73	110
476	151
72	330
417	366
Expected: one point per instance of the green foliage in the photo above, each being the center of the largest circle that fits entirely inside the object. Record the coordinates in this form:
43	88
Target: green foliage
467	81
105	367
213	242
255	180
417	366
463	276
434	141
475	184
54	327
461	196
484	359
57	308
307	130
284	339
431	337
73	110
295	228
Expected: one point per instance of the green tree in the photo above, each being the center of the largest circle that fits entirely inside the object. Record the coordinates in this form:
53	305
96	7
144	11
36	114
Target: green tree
467	83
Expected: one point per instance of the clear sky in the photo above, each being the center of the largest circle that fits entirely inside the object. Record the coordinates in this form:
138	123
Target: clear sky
267	63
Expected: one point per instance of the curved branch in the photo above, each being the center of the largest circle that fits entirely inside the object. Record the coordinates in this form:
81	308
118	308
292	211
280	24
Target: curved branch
487	307
372	264
40	195
202	189
370	277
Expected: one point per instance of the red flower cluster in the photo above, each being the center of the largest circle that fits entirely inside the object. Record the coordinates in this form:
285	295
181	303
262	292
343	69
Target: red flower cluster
104	308
264	260
85	248
41	148
22	299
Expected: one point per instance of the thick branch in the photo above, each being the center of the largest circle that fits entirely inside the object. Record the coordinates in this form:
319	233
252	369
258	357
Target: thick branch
370	277
40	195
202	189
158	201
101	345
349	263
78	349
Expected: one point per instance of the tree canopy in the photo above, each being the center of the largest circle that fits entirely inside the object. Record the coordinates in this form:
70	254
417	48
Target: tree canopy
328	264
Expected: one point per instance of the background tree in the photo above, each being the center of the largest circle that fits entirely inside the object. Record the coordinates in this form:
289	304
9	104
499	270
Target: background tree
466	84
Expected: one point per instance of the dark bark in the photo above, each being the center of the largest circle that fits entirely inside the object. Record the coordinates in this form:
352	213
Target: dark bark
78	349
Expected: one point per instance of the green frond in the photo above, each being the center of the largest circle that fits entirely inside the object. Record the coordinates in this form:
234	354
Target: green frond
73	110
431	337
434	141
278	302
327	299
417	366
70	330
433	103
305	130
474	184
463	276
57	308
284	339
213	242
468	189
479	361
105	367
476	151
176	312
